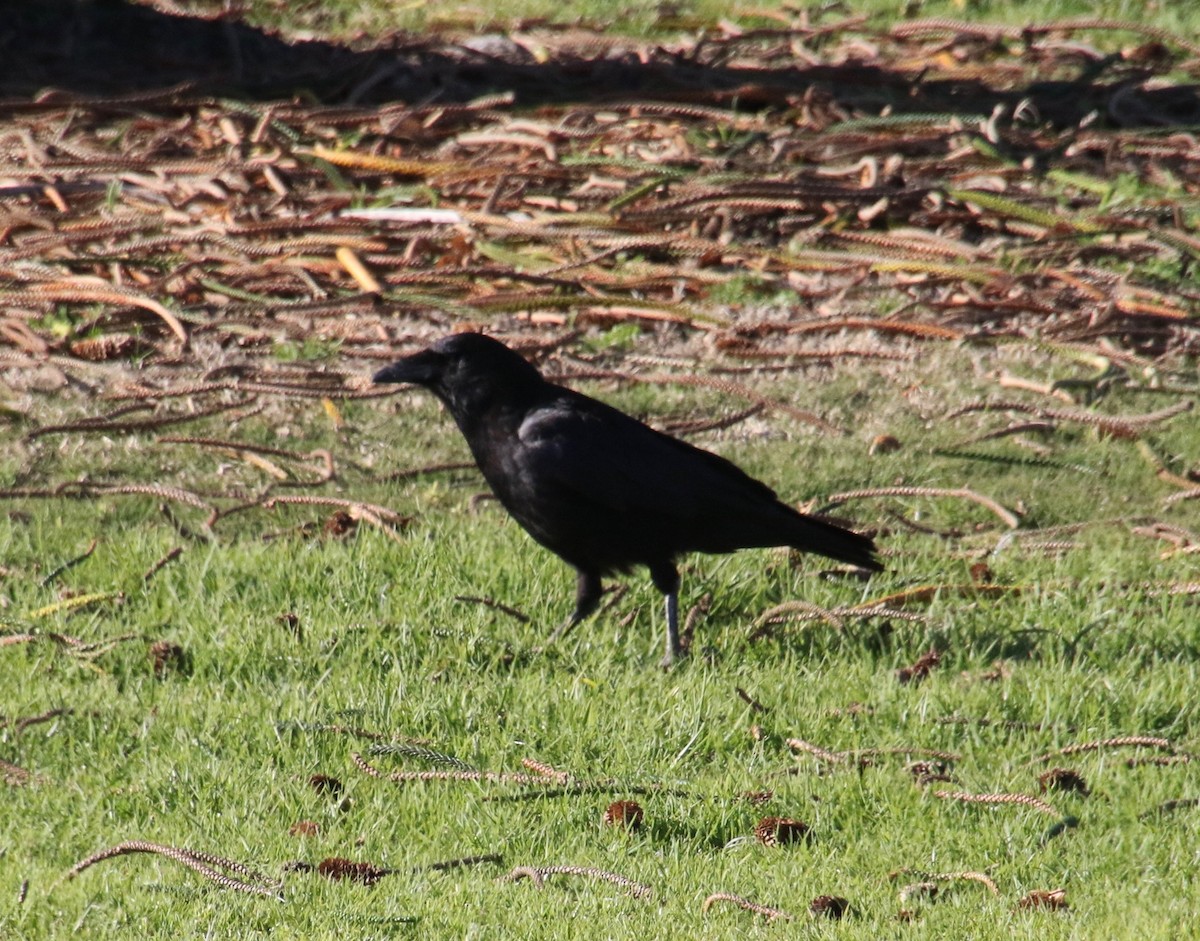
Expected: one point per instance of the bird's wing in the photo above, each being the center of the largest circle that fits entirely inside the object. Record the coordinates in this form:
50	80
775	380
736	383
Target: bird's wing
606	492
589	459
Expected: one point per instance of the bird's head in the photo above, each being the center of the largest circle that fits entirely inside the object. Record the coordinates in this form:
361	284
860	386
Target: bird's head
469	373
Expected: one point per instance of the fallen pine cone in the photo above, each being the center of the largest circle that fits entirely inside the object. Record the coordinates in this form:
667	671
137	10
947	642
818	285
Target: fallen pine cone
326	784
291	621
921	669
337	869
626	814
884	444
111	346
1063	779
831	906
779	831
339	523
167	657
1052	899
930	772
981	574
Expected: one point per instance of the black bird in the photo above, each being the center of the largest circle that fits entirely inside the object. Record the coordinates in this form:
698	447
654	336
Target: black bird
600	489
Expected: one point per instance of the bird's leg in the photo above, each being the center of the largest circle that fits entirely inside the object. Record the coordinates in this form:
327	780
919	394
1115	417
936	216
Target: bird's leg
666	580
673	648
588	591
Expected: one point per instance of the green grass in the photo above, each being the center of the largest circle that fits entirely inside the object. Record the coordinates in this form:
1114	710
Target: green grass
218	759
365	18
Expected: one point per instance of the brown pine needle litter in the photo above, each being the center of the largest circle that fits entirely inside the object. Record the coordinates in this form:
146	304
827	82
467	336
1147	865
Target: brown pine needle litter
1025	800
1008	517
206	864
490	777
1124	741
15	775
21	723
744	903
339	869
538	874
933	877
546	771
823	754
850	755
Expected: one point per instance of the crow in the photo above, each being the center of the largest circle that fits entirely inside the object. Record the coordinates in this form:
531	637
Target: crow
600	489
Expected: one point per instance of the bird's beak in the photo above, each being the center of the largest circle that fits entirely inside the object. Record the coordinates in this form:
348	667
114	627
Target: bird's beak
423	369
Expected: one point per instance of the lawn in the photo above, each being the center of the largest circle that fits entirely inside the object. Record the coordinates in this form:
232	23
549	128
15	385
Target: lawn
264	635
363	19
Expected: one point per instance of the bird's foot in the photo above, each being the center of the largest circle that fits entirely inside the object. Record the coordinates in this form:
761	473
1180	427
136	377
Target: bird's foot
558	634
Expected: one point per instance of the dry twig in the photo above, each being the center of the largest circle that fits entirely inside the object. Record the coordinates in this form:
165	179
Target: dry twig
537	875
207	865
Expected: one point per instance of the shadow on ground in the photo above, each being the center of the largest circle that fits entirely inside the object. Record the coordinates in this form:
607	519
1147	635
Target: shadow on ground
114	48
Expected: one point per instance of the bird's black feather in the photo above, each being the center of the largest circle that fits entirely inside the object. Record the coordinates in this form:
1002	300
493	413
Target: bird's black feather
601	489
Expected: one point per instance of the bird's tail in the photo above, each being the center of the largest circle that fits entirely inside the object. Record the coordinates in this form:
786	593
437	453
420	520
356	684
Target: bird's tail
811	534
